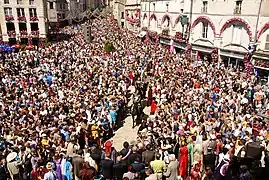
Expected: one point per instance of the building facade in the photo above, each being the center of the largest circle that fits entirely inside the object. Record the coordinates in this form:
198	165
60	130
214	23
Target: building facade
160	16
230	26
23	20
57	10
118	7
132	14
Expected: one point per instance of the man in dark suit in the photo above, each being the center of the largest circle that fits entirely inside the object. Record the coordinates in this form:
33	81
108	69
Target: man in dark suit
119	168
125	152
77	162
148	155
107	167
138	167
132	157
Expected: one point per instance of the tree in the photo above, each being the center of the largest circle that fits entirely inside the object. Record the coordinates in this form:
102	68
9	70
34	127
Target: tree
108	46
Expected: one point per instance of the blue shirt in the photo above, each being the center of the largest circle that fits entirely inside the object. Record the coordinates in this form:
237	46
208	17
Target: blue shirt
113	115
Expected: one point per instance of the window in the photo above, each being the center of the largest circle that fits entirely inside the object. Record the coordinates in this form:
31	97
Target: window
8	11
267	43
204	8
237	34
10	26
20	12
122	15
60	15
204	30
145	7
238	5
6	1
19	1
32	12
61	6
34	26
31	2
51	5
22	27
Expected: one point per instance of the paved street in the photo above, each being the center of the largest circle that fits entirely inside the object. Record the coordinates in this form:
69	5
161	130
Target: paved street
127	133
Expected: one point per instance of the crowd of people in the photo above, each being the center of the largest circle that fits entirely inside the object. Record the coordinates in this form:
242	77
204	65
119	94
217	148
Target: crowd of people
61	104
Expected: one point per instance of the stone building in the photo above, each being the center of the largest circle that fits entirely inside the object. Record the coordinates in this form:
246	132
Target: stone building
231	27
132	13
23	20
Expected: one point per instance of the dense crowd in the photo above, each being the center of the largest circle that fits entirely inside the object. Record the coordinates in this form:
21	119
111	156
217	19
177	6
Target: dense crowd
60	105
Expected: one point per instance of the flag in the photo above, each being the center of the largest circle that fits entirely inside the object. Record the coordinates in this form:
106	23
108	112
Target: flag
172	47
256	73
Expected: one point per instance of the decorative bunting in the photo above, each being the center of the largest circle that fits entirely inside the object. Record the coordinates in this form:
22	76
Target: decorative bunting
263	29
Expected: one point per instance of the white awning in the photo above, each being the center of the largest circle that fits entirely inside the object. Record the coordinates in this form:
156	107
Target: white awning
142	34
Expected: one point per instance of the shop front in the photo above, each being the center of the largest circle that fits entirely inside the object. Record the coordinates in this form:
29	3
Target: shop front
202	52
179	46
233	58
260	60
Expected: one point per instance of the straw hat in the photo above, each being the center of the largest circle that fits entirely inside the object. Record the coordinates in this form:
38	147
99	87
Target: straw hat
49	166
11	156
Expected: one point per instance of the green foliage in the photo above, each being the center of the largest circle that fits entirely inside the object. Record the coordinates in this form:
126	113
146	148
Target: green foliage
108	47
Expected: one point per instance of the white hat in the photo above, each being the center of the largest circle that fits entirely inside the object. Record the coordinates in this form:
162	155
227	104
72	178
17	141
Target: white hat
11	156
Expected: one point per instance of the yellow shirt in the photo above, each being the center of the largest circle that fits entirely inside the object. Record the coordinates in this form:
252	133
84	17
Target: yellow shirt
44	142
158	166
95	129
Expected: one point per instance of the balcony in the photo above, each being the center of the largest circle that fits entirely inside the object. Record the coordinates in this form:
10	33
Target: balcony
11	33
237	10
23	33
35	33
31	2
204	10
33	18
9	18
22	18
19	2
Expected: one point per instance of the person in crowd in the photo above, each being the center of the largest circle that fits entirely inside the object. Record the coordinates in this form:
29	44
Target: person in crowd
77	163
148	155
125	152
158	166
119	168
51	174
107	166
151	175
172	168
87	172
3	173
13	166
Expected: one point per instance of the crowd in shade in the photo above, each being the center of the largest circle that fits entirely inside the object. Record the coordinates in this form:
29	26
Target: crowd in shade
60	105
